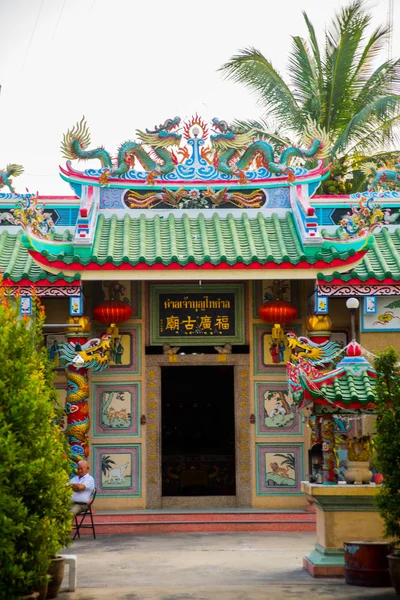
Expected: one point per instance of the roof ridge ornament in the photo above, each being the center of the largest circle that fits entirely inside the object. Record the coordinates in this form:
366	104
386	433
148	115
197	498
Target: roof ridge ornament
233	154
11	170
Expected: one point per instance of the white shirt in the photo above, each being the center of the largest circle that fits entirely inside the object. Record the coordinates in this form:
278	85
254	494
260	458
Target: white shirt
84	495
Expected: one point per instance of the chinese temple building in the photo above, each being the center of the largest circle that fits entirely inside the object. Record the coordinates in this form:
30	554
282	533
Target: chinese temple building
178	280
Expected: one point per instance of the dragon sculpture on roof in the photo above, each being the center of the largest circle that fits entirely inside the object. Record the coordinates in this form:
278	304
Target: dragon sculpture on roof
381	177
11	170
157	161
228	143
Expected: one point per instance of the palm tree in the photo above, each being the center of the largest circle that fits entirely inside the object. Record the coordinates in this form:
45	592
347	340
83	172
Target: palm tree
290	460
106	464
338	86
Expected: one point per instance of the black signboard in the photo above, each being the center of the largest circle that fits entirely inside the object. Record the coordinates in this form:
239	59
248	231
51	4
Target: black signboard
197	317
197	314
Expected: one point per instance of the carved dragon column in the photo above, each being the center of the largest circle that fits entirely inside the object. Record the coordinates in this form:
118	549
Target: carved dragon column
319	328
81	355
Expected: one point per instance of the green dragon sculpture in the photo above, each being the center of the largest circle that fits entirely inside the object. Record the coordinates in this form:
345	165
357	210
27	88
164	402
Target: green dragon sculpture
5	176
381	177
229	140
159	161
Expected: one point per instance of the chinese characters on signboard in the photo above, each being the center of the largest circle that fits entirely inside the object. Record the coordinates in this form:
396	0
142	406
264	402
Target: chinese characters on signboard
197	315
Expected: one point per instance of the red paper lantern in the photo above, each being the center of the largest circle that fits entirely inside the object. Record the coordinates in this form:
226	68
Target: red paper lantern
277	312
112	311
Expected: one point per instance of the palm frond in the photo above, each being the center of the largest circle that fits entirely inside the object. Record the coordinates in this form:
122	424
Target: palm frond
342	53
370	53
303	73
316	52
370	138
289	459
380	157
385	80
254	71
265	130
378	110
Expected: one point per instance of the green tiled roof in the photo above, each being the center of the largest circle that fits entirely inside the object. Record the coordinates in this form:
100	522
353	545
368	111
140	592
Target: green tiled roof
381	262
341	391
350	388
17	264
197	239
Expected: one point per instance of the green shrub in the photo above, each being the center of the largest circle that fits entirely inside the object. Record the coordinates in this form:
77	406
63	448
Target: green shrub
387	440
35	521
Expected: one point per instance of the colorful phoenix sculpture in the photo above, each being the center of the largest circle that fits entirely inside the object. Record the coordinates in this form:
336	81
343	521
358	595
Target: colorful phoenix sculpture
363	218
33	219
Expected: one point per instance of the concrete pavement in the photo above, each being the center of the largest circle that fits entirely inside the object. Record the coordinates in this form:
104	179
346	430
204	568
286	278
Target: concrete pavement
200	566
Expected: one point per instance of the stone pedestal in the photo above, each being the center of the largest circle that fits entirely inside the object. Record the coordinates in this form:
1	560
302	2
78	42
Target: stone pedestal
344	513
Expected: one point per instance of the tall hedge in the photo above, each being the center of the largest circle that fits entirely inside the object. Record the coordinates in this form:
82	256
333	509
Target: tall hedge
35	521
387	440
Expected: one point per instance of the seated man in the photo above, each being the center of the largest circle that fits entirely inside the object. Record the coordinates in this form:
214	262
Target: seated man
83	486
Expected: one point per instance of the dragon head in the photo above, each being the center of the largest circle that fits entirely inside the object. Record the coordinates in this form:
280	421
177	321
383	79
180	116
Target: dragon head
222	126
92	355
162	135
229	136
96	352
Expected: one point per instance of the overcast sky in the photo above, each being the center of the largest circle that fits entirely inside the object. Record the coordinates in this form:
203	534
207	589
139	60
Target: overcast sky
128	64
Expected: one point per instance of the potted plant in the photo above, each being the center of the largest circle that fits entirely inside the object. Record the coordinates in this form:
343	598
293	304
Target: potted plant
387	451
35	521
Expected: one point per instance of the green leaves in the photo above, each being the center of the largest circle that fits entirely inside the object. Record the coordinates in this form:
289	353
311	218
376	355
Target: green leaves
387	439
35	520
338	84
252	69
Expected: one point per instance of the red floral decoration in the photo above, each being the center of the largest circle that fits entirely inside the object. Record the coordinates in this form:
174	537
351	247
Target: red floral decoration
354	349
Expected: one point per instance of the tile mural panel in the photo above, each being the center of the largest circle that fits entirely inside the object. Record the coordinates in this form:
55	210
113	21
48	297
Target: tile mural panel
384	317
280	468
116	409
53	342
117	469
125	353
268	358
275	410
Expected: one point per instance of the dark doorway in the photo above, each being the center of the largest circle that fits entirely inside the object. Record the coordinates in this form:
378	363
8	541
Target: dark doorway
198	431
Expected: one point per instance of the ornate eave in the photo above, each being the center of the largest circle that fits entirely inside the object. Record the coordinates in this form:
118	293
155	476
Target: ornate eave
378	274
214	246
203	206
21	274
348	387
193	178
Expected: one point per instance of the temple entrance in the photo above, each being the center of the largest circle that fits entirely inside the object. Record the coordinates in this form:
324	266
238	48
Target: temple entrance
198	431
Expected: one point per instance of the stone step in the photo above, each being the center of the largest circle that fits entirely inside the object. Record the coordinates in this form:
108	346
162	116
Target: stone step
141	522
